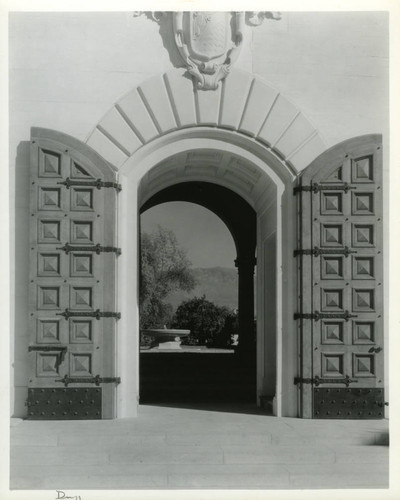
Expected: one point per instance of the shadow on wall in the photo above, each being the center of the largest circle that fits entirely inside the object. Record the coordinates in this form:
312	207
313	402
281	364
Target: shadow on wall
21	255
166	31
165	23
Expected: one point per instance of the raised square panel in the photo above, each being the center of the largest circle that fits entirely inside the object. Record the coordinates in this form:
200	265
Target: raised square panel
331	203
332	332
363	300
81	297
363	365
80	364
49	163
331	235
81	331
332	299
81	231
363	203
82	199
49	264
336	175
363	235
49	231
363	267
78	172
49	198
362	169
48	297
48	331
332	365
363	332
47	364
81	264
331	268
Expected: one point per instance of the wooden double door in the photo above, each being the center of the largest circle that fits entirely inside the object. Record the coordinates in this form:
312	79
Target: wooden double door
73	256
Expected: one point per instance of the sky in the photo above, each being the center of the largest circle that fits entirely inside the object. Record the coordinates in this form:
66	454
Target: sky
199	231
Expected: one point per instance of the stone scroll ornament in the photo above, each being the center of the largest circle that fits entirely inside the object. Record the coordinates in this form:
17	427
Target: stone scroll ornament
210	42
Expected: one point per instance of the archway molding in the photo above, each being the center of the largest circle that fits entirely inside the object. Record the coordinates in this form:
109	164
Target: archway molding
244	136
169	160
243	103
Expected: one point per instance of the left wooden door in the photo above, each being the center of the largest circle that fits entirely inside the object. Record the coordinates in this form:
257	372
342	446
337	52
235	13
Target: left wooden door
72	280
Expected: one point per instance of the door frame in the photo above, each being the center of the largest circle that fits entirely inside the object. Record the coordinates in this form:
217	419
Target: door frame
277	217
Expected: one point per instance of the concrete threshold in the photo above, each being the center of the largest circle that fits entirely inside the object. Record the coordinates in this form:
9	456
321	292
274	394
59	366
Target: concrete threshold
191	447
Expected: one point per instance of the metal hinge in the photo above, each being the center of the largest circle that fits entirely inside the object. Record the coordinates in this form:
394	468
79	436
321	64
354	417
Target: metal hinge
98	183
89	314
315	252
318	380
97	380
315	187
316	316
93	248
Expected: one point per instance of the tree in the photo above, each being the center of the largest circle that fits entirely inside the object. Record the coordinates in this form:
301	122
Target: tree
164	268
204	319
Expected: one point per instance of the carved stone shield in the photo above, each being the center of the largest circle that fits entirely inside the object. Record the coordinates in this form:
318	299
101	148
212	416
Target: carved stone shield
209	42
209	34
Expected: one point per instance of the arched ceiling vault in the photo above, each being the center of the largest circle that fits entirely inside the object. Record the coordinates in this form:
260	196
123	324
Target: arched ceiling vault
213	166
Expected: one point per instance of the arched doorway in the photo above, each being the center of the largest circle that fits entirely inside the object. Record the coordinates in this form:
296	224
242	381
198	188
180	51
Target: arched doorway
165	132
261	183
222	378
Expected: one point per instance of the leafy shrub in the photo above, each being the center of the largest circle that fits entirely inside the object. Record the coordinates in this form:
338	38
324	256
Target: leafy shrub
210	325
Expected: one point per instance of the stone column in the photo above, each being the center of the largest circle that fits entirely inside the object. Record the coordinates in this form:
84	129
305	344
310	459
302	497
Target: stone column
247	335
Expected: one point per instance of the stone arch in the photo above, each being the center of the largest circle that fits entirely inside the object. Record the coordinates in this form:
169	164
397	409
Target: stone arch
169	159
244	103
245	136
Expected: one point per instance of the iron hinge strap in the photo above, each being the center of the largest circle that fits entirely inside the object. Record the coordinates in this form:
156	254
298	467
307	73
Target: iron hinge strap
97	183
316	251
316	316
318	380
97	380
315	187
89	314
93	248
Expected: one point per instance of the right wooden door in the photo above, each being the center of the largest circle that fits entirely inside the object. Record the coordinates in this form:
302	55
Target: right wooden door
340	258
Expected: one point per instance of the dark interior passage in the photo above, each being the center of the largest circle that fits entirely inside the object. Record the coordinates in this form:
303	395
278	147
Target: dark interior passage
196	377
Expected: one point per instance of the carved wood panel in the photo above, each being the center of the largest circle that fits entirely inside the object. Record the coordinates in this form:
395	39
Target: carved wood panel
79	281
343	210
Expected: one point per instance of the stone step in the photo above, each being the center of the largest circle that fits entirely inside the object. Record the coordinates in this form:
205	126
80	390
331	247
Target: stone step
199	446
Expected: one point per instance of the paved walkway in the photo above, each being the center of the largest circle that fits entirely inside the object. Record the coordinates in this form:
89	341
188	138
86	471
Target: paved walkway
183	448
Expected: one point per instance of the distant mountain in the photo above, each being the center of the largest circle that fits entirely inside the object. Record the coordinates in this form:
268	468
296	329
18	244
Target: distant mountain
218	284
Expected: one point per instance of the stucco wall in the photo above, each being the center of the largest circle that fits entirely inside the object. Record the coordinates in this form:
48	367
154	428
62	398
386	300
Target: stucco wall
67	70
